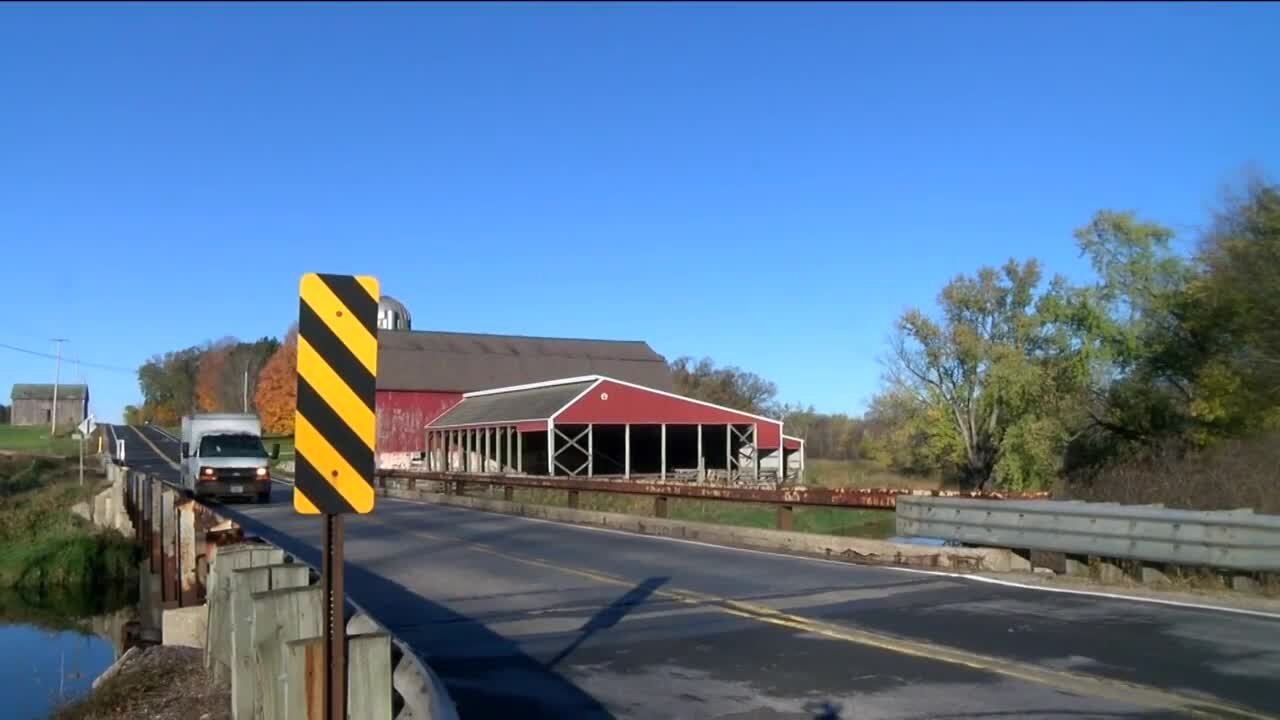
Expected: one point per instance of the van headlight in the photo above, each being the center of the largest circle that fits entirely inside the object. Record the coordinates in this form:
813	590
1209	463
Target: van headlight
262	472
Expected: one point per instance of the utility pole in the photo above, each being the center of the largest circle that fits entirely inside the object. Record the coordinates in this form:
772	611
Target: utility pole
57	370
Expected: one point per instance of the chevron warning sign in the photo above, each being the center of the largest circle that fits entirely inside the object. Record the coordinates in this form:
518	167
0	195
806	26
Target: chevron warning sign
337	364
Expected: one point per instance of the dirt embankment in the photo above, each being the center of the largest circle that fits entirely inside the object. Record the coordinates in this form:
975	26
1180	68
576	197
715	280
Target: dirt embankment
155	683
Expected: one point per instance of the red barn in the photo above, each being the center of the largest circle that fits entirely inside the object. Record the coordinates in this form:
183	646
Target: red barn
423	374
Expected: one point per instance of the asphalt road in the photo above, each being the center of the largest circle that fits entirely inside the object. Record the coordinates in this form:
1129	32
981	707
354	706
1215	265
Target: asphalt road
541	620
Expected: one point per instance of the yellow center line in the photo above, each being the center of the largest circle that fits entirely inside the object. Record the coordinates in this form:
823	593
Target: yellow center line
163	455
1108	688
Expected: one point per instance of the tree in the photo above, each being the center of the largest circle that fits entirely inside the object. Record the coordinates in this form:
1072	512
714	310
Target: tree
1232	316
983	366
209	379
728	386
168	385
276	395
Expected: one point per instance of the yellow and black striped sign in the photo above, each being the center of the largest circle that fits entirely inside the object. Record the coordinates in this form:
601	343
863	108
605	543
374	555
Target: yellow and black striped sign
337	365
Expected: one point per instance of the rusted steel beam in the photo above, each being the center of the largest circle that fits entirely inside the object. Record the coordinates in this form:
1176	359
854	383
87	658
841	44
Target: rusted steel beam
873	498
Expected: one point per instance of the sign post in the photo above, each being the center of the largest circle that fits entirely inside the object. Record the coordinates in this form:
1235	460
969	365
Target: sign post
86	428
334	429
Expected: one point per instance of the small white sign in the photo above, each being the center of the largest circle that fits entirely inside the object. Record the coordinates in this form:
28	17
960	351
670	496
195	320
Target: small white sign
87	426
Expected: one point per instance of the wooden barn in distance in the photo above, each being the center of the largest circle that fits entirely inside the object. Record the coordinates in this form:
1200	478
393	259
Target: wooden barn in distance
423	374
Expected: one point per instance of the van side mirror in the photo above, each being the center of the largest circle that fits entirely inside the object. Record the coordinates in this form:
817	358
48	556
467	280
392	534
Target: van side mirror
275	451
186	450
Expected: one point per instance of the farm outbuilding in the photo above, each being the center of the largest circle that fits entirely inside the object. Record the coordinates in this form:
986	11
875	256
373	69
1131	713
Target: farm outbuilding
421	375
42	404
600	426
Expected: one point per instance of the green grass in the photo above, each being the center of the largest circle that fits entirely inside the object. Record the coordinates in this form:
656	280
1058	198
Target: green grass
35	439
286	446
863	474
42	544
877	524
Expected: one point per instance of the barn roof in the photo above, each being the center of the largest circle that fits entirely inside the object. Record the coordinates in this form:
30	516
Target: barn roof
533	403
586	400
44	391
465	362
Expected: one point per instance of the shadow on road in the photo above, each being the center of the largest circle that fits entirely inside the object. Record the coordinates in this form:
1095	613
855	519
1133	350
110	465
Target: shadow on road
610	615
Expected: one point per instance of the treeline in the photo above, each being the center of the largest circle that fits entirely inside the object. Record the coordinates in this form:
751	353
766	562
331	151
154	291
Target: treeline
1016	382
227	375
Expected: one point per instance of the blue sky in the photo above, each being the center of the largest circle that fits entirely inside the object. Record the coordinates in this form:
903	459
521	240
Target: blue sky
769	185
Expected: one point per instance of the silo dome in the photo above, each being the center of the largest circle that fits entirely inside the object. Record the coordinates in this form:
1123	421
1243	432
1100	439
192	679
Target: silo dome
392	314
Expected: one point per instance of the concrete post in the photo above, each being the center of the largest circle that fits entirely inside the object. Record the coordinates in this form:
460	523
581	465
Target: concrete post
660	506
169	580
304	679
157	527
369	677
573	499
244	583
1077	566
188	575
218	593
277	618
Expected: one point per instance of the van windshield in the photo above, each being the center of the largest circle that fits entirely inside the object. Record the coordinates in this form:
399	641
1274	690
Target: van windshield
232	446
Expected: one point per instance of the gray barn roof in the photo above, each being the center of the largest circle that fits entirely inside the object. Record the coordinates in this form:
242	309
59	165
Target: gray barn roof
39	391
529	404
464	362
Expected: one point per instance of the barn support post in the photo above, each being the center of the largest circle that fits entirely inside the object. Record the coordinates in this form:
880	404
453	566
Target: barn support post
662	473
626	451
702	466
510	462
551	449
591	450
484	450
755	451
519	451
728	452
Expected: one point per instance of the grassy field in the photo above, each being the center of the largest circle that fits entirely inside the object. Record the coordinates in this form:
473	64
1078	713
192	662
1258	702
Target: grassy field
42	544
286	446
829	521
35	439
863	474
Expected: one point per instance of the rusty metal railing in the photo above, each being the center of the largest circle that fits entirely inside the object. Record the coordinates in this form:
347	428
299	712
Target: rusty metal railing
784	499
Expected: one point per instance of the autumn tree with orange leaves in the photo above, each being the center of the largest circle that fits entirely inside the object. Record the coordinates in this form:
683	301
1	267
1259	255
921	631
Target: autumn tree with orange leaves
276	395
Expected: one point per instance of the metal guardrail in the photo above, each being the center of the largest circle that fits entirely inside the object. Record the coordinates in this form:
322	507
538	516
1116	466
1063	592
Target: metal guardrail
1234	539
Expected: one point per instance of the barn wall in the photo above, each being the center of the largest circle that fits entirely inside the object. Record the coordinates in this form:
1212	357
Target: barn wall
616	404
402	422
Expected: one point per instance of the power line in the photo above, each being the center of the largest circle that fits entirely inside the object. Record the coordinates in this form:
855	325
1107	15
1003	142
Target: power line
51	356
